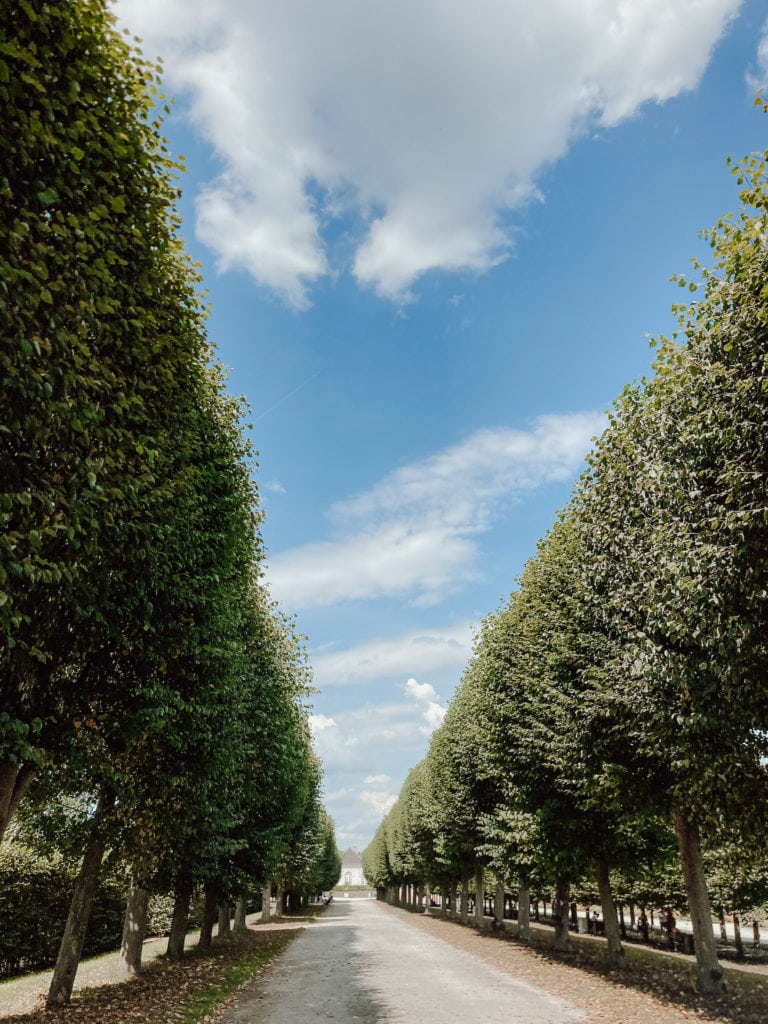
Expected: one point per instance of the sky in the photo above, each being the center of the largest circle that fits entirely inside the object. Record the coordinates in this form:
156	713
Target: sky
436	237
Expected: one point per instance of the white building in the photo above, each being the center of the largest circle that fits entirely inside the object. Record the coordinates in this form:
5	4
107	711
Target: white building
351	868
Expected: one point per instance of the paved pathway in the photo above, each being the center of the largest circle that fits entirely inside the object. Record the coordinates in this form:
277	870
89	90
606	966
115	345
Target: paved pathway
360	963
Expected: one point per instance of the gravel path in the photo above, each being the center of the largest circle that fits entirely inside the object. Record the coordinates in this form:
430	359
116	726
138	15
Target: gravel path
367	962
362	962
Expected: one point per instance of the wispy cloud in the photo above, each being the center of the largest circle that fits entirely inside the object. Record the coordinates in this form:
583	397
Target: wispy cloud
319	723
418	652
757	78
433	712
414	533
424	122
274	487
374	744
381	803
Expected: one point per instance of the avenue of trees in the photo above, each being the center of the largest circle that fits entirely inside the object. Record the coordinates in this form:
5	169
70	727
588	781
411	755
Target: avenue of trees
609	736
153	704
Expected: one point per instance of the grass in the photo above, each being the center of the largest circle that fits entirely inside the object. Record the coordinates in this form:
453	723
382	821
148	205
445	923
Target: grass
169	992
670	977
228	981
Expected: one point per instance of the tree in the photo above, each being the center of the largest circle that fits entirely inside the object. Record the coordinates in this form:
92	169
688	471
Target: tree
678	523
103	348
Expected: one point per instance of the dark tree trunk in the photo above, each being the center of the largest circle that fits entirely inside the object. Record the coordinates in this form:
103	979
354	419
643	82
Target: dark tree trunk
15	780
498	904
756	934
225	921
79	915
737	937
479	897
240	927
643	923
723	930
210	913
709	973
524	914
180	919
610	918
562	941
134	929
464	913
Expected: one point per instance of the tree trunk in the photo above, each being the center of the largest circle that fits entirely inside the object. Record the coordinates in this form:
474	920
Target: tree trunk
524	914
723	930
562	941
266	904
428	899
756	934
240	926
279	901
134	930
464	913
709	973
79	915
452	898
180	919
498	904
479	897
15	780
737	937
225	921
210	911
610	919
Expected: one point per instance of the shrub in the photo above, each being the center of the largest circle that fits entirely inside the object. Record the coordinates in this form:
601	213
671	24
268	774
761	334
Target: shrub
34	901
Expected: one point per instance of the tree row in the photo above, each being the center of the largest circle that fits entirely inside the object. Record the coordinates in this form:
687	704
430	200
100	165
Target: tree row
145	672
616	709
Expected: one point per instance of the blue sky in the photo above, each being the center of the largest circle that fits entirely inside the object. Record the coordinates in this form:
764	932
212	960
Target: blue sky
435	237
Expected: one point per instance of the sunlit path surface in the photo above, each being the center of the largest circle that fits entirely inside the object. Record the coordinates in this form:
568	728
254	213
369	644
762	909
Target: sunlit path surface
361	963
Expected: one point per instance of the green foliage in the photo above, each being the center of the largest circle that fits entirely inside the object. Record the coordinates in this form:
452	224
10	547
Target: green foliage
139	649
624	684
34	900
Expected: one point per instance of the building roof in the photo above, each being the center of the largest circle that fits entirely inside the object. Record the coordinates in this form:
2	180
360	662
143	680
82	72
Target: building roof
351	859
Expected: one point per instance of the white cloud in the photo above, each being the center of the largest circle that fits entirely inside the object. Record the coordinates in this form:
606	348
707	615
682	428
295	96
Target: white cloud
397	558
381	803
427	121
427	650
432	713
319	723
274	487
433	716
413	533
419	691
377	739
758	79
376	743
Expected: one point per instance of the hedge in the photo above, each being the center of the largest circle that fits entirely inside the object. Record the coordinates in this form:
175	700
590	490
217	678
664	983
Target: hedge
34	901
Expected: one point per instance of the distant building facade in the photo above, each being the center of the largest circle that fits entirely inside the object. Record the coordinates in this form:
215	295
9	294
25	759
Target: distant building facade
351	868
